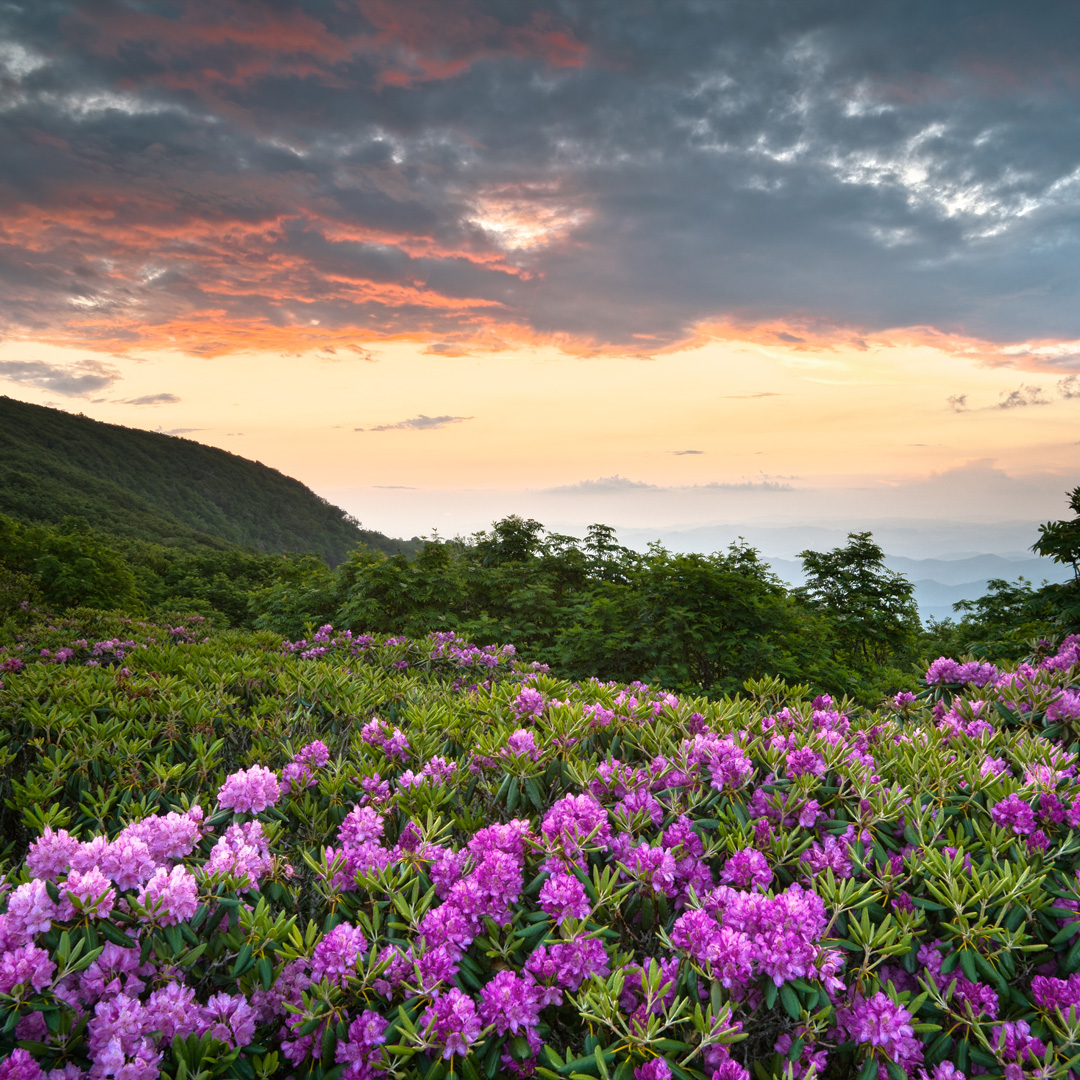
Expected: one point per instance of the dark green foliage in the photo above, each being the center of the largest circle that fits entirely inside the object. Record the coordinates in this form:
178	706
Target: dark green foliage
67	567
1060	540
872	608
159	488
688	622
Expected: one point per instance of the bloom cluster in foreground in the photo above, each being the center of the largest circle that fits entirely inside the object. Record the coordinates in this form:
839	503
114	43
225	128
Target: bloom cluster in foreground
472	881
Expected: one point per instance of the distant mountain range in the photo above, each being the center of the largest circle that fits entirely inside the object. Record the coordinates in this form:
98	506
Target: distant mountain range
136	484
940	583
959	573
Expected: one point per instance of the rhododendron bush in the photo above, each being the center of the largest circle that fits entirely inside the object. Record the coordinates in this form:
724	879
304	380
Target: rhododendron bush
349	857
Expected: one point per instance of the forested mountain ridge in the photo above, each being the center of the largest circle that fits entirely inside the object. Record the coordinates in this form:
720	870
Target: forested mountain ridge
174	491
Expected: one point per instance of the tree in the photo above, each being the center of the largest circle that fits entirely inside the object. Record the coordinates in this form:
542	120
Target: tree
871	607
1060	541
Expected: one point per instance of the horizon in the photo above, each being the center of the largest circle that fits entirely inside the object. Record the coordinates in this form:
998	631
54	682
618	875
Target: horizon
683	268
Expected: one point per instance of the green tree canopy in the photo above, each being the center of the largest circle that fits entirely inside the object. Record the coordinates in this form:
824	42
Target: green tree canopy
871	607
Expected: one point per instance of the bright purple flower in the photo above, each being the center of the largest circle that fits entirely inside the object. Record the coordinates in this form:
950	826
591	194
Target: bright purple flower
230	1018
747	869
19	1065
881	1022
944	1070
249	791
576	960
641	801
832	855
50	854
729	1069
337	953
522	742
91	893
173	1010
452	1023
170	896
361	824
241	853
172	836
27	965
1013	813
511	1003
904	700
804	761
361	1051
529	703
562	896
296	776
30	910
315	754
943	670
127	860
1052	993
118	1039
981	999
653	1070
575	820
1014	1042
509	838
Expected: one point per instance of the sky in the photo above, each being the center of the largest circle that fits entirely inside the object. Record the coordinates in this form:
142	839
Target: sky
671	266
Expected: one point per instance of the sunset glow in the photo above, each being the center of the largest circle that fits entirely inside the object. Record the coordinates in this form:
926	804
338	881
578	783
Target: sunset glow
446	261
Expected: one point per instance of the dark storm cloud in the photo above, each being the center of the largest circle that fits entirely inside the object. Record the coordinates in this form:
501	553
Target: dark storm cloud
302	175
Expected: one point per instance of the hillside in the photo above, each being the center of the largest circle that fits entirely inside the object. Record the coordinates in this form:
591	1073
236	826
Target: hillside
144	485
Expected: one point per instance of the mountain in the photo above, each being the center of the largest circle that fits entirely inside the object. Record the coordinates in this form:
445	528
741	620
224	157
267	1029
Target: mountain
130	483
940	583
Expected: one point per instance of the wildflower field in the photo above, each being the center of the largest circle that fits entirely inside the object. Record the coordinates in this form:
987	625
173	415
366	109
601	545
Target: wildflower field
347	857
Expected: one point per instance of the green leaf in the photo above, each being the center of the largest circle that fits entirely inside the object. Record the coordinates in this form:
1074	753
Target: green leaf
869	1070
790	1001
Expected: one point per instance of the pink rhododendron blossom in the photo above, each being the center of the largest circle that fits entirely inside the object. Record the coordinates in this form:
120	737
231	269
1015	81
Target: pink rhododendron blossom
50	854
452	1023
249	791
747	869
511	1003
91	894
27	966
562	896
170	896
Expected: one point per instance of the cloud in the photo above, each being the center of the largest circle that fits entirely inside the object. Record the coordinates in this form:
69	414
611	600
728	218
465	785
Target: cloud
605	485
958	402
620	485
1069	387
1025	395
394	487
151	399
759	394
77	380
419	423
179	430
229	175
681	453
